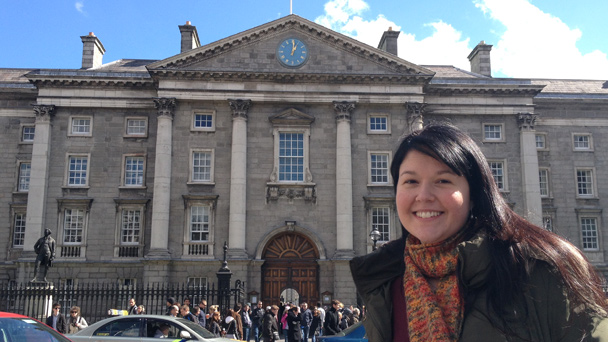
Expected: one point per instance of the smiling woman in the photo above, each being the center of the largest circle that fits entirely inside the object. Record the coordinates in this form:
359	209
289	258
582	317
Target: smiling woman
468	268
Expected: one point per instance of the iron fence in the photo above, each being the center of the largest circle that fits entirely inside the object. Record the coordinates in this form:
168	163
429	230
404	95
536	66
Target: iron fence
95	299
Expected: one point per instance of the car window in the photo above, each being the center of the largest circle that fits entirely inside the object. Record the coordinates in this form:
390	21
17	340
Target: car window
27	330
204	333
129	327
153	326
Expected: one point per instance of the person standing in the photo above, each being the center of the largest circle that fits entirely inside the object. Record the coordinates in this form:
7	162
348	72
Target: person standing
76	322
316	324
202	315
322	316
270	325
294	324
186	314
331	326
306	321
132	308
45	250
57	320
256	320
246	322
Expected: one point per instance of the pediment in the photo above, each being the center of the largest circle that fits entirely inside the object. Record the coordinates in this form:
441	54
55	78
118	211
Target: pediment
291	116
252	55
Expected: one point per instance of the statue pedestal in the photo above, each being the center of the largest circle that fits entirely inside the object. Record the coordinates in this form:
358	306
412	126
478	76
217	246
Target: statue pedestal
39	300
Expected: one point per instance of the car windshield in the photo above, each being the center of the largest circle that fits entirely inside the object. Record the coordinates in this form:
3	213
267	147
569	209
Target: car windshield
27	330
197	328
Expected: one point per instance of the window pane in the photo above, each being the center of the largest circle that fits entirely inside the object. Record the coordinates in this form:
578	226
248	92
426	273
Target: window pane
291	157
131	227
24	176
498	173
28	133
201	166
540	141
136	126
589	232
379	168
19	230
493	132
203	121
584	182
78	171
378	123
581	142
381	221
73	226
81	126
199	223
543	176
134	171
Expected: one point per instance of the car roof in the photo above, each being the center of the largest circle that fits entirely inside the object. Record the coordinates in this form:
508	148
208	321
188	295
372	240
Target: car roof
11	315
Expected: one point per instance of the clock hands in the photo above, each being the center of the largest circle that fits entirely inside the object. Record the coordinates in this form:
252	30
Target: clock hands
293	49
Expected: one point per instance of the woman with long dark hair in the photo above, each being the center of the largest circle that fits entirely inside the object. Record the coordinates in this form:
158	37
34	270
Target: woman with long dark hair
468	268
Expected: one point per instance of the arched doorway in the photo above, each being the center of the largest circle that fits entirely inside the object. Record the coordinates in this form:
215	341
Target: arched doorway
290	267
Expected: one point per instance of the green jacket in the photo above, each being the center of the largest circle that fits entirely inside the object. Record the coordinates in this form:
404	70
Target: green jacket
549	315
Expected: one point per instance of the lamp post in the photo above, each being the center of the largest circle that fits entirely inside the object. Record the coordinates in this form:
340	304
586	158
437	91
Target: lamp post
375	236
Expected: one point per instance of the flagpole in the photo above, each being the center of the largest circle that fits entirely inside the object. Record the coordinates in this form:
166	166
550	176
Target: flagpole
290	6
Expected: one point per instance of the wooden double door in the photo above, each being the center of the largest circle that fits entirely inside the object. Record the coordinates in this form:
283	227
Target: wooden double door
290	272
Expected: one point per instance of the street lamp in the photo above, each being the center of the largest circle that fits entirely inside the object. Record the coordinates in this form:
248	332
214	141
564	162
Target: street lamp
375	236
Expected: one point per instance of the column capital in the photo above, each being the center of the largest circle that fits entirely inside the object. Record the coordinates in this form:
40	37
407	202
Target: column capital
526	121
44	113
239	107
165	106
344	109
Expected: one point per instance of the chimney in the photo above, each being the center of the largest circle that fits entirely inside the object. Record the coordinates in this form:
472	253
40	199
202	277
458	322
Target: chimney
388	42
189	37
92	51
480	59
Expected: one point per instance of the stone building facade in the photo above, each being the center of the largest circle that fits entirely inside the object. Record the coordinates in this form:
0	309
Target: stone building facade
277	141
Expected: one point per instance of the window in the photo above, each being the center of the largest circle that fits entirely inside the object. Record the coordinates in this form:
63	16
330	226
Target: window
291	157
18	230
379	168
198	235
582	142
25	169
499	173
202	166
78	166
548	222
73	223
203	121
543	175
81	126
493	132
130	223
136	127
27	133
589	233
73	226
584	183
197	287
541	141
134	171
128	328
381	220
130	230
378	124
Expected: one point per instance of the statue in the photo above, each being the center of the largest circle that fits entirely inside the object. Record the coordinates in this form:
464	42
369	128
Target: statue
45	248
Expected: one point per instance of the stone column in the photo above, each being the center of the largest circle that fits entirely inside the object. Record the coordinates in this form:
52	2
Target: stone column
344	181
161	204
36	198
237	226
529	163
414	111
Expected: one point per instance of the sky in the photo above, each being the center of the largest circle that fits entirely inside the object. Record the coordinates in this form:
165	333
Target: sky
560	39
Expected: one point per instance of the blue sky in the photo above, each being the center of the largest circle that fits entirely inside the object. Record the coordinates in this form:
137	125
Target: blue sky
530	38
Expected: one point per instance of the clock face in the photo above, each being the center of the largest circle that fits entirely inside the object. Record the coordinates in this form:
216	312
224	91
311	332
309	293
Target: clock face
292	52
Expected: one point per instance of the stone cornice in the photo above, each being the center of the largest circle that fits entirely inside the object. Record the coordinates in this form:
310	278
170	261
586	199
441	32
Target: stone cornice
88	79
482	90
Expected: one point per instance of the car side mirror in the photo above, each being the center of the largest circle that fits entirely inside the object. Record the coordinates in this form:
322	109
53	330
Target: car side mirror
185	334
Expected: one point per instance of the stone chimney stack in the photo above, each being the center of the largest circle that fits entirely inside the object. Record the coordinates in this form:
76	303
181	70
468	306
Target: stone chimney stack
92	51
189	37
388	42
480	59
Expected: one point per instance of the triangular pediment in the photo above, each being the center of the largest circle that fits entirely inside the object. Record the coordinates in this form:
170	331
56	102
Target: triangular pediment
252	54
290	117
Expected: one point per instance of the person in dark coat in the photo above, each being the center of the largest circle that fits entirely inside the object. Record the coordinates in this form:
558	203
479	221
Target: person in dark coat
270	325
294	330
57	320
315	326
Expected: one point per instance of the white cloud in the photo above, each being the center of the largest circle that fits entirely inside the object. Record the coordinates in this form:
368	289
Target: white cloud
534	44
79	6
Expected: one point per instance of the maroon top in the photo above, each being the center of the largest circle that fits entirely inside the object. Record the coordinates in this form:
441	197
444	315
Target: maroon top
400	331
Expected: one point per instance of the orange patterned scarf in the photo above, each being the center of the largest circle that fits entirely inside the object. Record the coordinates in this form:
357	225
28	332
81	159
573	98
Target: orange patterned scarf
433	314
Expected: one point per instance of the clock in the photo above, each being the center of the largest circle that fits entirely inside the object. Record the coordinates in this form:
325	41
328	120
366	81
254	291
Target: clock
292	52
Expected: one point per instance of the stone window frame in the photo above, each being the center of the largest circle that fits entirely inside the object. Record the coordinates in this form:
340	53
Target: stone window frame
548	193
66	180
372	202
596	216
123	174
548	220
69	249
23	139
20	176
17	210
505	186
588	148
593	182
199	249
211	180
126	132
545	141
130	249
71	132
378	115
389	156
210	112
493	140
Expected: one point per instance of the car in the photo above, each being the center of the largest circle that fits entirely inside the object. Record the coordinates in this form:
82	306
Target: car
19	328
354	333
143	328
